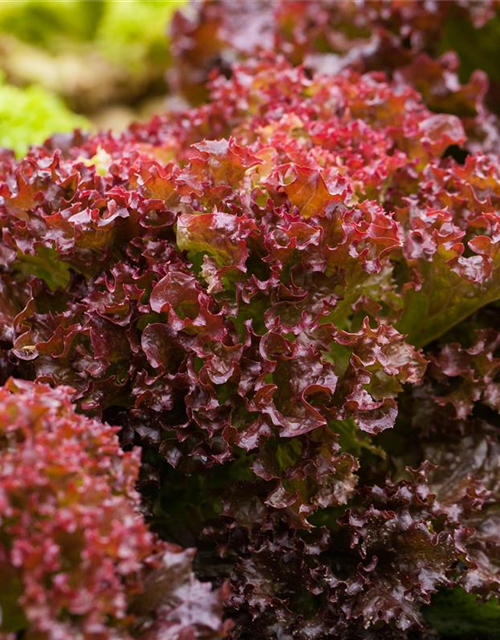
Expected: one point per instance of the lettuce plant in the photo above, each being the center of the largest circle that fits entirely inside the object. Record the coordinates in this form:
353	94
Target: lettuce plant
446	50
30	115
288	298
76	558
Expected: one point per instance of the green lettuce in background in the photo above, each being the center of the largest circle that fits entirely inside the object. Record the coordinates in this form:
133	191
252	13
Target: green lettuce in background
29	116
92	54
104	59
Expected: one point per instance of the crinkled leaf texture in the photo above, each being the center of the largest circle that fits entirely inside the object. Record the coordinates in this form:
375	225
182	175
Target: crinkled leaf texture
76	558
446	50
255	290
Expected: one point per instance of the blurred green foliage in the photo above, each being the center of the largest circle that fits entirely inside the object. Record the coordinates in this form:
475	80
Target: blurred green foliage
458	615
129	31
477	48
29	116
77	55
93	53
43	22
